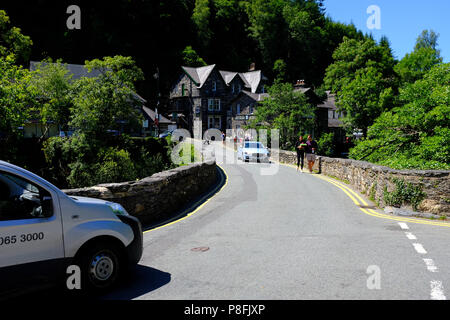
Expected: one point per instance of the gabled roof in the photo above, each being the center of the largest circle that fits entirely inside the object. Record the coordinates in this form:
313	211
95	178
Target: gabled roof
77	70
252	79
228	76
199	75
152	115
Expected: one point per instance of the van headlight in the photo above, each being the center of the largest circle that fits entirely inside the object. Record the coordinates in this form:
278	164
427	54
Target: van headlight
118	209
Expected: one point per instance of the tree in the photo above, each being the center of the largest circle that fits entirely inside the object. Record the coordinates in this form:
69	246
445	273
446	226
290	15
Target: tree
200	17
416	134
362	76
427	39
286	110
12	42
191	58
352	55
101	103
52	85
364	98
425	55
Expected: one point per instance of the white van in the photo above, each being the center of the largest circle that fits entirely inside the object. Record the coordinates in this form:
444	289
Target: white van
43	231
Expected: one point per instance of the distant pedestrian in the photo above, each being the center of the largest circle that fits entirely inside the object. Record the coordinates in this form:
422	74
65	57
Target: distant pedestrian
300	147
311	151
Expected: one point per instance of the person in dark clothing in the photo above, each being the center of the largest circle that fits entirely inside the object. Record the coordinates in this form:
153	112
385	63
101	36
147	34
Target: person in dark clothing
311	151
300	146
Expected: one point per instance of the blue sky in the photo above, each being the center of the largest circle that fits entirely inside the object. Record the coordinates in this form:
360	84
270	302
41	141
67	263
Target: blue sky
401	21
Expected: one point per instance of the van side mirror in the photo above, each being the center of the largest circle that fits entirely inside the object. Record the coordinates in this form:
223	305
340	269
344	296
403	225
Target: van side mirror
46	203
47	207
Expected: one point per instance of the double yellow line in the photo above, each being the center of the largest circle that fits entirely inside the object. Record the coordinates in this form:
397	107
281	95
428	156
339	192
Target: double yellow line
197	205
361	203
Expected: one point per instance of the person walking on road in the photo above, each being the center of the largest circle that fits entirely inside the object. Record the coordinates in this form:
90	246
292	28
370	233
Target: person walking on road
300	147
311	151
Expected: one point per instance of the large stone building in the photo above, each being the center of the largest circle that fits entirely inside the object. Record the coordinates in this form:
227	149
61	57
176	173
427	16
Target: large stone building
214	96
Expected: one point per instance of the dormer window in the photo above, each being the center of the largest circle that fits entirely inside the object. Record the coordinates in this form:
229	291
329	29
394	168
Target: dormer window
232	88
214	86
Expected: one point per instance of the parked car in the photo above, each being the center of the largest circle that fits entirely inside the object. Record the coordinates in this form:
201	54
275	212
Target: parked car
253	151
43	231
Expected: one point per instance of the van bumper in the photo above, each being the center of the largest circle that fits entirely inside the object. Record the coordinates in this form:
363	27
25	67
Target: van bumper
135	248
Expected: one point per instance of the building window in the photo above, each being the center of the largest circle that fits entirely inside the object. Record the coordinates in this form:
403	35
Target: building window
262	89
213	104
214	86
251	109
232	88
239	87
183	88
238	108
214	122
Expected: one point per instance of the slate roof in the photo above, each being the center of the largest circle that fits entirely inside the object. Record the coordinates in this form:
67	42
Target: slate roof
252	79
152	115
199	75
256	96
78	71
330	103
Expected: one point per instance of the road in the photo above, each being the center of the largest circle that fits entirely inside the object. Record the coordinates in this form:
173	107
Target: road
289	235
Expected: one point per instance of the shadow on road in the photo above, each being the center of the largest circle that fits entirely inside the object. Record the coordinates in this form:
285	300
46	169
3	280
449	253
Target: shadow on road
141	280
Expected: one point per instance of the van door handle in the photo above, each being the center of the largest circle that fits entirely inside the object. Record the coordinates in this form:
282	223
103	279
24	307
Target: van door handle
75	216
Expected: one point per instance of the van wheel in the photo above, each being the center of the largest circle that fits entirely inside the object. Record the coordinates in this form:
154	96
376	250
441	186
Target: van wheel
101	266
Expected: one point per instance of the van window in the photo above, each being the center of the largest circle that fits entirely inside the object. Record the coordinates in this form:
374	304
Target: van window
21	199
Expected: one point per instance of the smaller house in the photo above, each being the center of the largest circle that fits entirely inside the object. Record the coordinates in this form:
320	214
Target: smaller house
35	128
152	125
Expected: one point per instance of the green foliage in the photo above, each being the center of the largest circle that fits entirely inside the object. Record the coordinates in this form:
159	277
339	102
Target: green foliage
326	144
417	133
404	192
102	102
416	64
200	17
191	58
74	162
15	96
287	111
12	42
51	82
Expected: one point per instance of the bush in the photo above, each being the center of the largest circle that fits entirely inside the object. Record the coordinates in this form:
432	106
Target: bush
326	144
404	192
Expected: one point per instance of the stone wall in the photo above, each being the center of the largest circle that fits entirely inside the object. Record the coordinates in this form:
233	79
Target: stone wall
372	179
160	196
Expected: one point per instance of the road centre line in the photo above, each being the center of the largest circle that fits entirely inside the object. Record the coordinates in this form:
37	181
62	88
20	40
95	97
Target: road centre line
410	236
430	265
403	225
419	248
437	290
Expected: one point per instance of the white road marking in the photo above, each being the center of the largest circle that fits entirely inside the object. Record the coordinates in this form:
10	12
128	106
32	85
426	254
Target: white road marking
410	236
430	265
437	291
419	248
403	225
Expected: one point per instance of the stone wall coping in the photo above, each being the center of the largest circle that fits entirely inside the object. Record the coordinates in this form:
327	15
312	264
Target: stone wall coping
376	167
117	187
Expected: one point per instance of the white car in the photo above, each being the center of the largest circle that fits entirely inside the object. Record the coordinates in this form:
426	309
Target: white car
253	151
43	231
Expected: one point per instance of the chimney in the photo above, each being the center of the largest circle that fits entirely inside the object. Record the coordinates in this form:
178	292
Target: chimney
252	67
300	84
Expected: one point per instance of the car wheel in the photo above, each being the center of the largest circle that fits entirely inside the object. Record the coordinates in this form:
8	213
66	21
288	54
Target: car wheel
100	266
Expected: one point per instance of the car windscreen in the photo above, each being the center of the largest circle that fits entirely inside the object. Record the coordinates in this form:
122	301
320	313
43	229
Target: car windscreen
253	145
